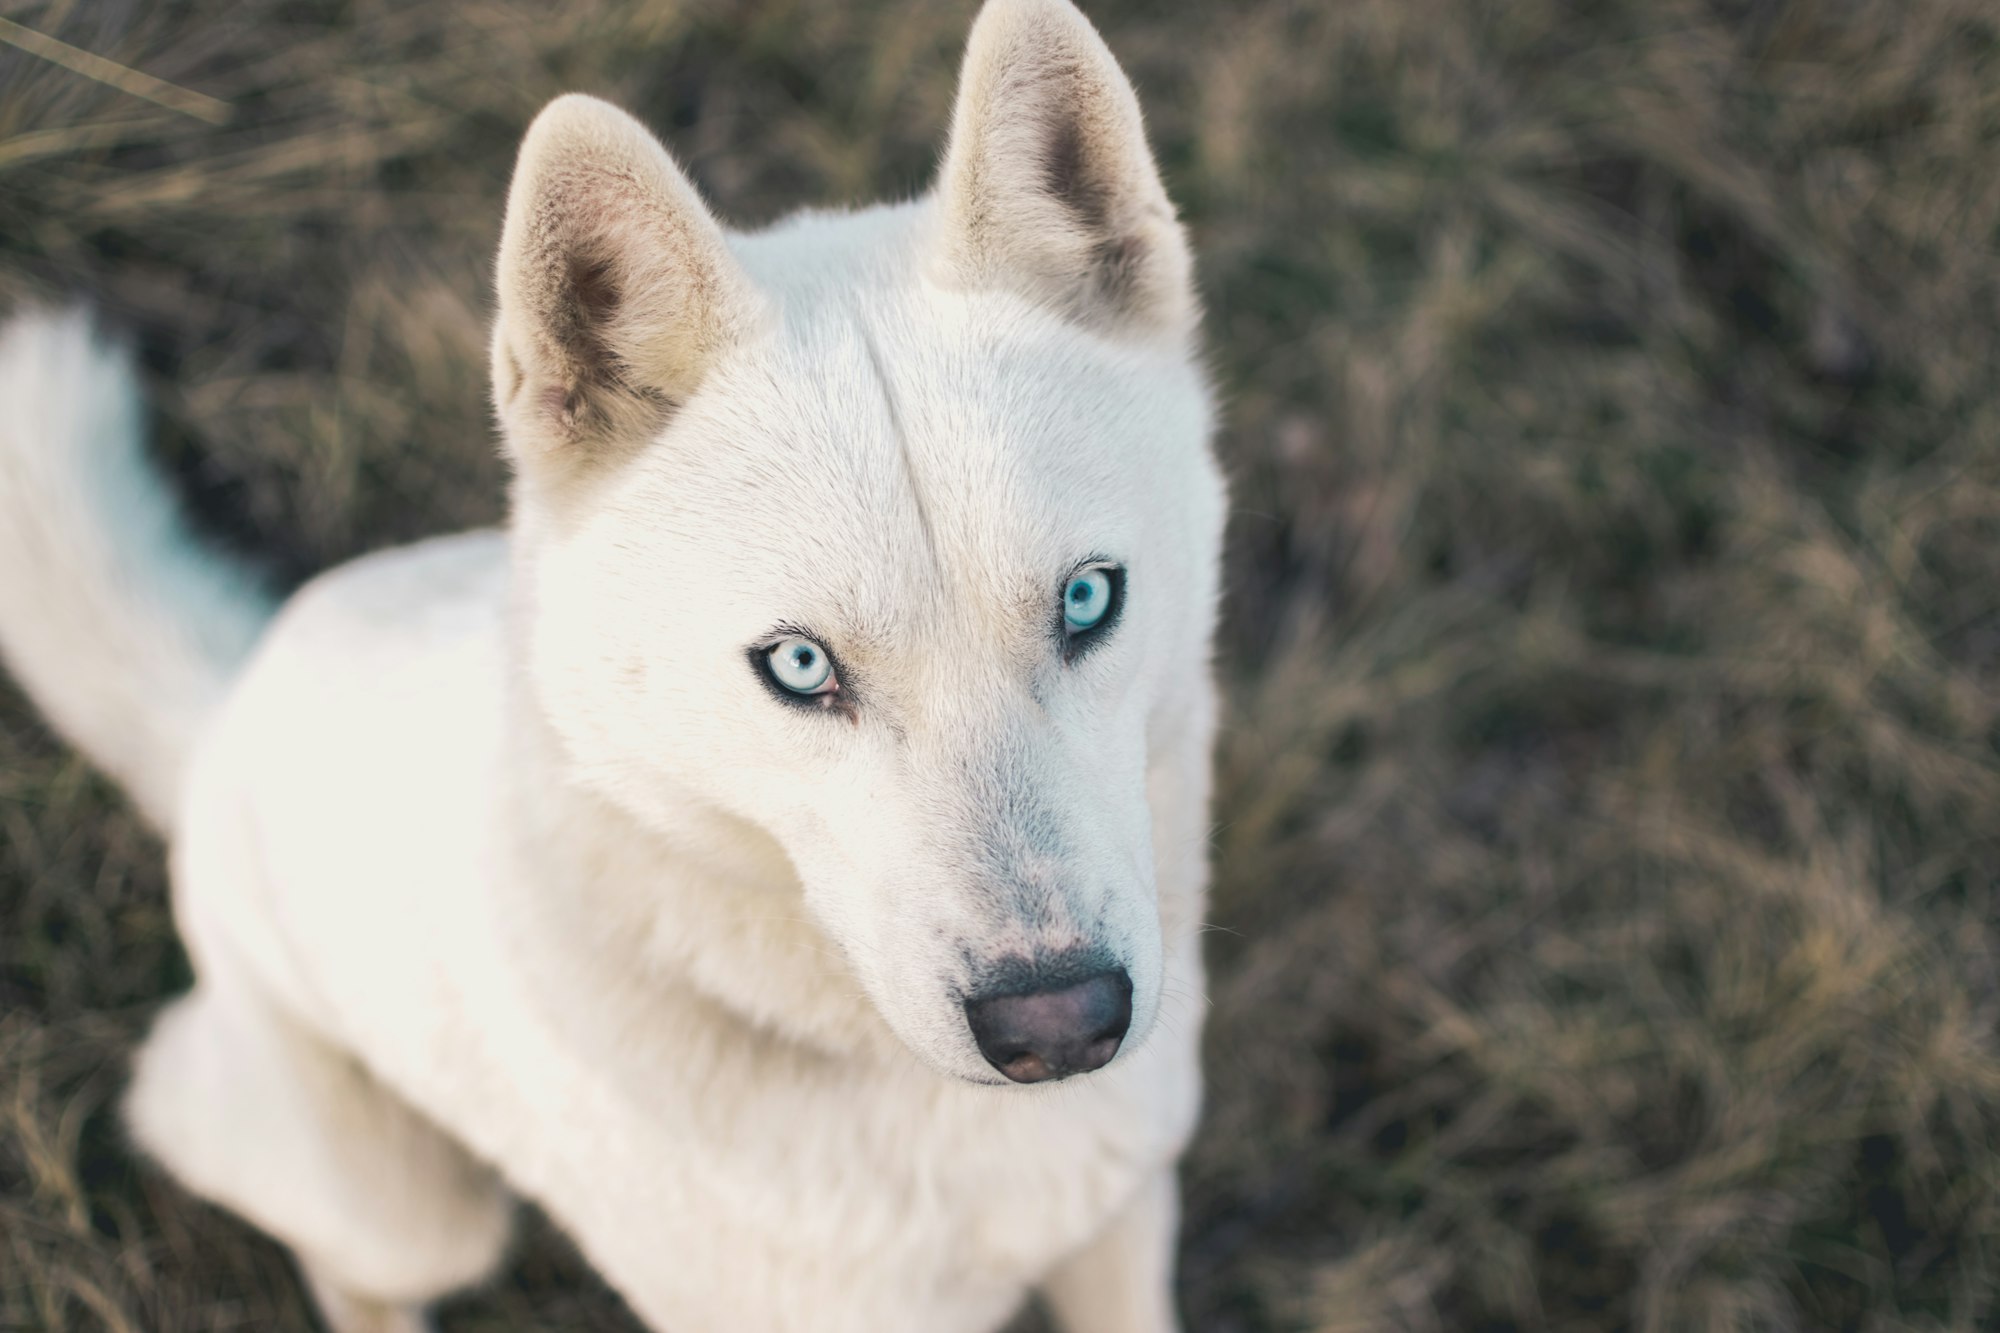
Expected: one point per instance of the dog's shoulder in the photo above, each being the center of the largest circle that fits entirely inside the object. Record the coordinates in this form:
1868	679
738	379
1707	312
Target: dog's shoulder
372	666
426	588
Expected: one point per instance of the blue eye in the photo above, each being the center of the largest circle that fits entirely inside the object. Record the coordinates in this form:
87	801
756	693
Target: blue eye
1087	599
802	666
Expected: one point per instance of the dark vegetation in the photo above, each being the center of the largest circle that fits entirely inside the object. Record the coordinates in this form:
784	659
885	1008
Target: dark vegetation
1609	831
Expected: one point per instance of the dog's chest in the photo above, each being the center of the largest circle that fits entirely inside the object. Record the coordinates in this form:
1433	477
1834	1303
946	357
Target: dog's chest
651	1128
743	1146
905	1203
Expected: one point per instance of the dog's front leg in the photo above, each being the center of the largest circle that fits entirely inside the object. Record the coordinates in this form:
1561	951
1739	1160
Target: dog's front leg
1123	1281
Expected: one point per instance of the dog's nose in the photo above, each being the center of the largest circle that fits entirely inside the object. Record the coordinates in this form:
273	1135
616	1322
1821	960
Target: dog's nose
1054	1033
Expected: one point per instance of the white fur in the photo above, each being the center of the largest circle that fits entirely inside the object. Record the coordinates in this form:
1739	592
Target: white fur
123	628
500	866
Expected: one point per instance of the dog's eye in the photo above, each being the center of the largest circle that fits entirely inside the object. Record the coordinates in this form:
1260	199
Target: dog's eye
1086	599
1091	599
801	666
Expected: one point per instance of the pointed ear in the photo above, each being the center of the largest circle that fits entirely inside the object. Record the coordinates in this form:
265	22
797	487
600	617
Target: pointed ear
1048	187
616	288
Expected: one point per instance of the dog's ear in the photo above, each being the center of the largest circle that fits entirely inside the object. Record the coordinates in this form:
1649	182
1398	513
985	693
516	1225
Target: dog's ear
616	288
1048	187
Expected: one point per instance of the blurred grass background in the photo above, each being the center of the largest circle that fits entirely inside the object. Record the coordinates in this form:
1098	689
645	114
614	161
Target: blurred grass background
1609	826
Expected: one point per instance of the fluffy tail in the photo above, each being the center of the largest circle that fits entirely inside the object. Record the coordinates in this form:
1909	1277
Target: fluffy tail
116	620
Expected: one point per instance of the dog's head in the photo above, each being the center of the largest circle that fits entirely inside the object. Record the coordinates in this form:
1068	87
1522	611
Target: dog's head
892	534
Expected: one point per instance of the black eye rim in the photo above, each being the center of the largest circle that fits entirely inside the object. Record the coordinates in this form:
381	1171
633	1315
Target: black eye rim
1077	642
834	700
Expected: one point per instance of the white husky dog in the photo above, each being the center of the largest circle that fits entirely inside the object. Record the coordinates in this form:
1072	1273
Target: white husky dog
820	753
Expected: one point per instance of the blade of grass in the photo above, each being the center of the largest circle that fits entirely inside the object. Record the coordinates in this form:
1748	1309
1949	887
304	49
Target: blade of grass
109	72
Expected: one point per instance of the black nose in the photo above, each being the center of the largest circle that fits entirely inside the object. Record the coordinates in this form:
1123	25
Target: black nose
1045	1034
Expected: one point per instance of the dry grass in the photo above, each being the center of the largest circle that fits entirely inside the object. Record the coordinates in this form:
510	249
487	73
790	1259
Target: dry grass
1607	847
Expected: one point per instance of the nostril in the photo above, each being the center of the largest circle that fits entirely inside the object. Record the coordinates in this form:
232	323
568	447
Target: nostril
1037	1035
